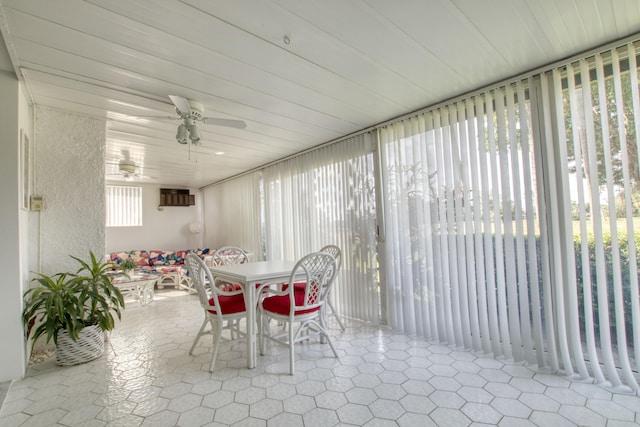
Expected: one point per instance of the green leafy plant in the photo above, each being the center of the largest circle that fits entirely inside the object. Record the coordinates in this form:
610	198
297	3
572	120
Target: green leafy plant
72	301
128	264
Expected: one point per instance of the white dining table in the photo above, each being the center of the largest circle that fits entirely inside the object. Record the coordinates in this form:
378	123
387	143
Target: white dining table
248	276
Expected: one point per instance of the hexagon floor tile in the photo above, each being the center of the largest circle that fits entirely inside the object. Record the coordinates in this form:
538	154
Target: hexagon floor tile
147	377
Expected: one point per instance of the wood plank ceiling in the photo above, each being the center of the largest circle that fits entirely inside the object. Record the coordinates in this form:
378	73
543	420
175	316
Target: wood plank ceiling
299	73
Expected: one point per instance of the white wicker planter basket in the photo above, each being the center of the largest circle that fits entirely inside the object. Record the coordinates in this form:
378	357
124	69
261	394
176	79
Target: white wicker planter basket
89	346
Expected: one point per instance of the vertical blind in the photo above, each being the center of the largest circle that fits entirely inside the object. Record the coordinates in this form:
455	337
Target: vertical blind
511	220
461	208
232	215
326	197
597	129
123	206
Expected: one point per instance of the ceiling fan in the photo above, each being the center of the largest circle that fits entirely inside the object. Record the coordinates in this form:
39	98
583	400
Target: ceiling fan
190	112
127	170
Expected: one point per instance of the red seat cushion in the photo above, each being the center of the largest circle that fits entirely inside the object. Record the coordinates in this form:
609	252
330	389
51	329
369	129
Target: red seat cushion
280	304
228	287
229	304
297	286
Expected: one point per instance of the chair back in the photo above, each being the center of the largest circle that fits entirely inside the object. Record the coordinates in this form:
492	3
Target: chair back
201	275
197	272
317	270
229	255
336	252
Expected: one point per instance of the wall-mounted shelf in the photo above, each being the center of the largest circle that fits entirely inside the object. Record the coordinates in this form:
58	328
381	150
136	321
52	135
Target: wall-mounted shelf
175	197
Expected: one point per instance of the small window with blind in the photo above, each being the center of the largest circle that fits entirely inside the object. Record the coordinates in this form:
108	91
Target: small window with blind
124	206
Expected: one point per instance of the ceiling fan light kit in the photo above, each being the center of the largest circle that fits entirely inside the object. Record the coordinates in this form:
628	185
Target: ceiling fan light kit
189	128
181	136
194	133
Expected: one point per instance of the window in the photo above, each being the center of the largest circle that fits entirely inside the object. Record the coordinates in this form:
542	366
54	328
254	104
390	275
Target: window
124	206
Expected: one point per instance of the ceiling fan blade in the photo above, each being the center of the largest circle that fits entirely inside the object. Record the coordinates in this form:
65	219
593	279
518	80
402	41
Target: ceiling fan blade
182	104
239	124
158	117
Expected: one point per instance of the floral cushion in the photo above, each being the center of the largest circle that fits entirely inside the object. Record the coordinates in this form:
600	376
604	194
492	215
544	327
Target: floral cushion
150	258
167	258
141	257
200	252
156	261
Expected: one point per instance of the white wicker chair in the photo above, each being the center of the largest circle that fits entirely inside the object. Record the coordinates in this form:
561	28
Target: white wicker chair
229	255
220	305
330	311
304	307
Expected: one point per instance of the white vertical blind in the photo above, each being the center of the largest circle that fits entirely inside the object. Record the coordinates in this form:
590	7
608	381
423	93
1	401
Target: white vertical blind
232	215
597	96
123	206
511	220
458	196
323	197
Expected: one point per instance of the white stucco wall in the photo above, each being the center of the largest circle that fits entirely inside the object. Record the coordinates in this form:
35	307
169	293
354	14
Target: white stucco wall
164	229
69	174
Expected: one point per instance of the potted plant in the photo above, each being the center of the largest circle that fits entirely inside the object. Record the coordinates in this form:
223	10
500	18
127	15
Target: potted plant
73	310
127	266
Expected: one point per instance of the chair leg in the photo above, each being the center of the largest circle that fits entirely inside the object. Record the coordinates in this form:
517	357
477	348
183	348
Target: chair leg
335	353
260	332
204	324
324	335
216	343
291	348
230	326
334	313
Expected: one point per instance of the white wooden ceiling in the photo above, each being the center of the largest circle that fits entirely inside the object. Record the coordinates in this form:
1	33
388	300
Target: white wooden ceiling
348	65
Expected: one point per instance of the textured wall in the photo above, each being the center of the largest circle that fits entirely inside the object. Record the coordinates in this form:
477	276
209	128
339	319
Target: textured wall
69	174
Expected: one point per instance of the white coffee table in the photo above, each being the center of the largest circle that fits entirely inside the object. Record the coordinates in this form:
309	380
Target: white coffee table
138	285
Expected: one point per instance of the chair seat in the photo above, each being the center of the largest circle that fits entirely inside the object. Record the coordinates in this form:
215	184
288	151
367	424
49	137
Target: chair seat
281	304
229	304
297	286
228	287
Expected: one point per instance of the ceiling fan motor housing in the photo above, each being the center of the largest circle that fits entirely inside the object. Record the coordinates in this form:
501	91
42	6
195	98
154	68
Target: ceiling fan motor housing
127	167
196	111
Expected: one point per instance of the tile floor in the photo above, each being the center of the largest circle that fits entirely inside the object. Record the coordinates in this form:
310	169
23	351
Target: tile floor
147	378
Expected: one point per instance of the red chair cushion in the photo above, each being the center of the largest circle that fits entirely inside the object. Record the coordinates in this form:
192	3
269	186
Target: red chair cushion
229	304
228	287
297	286
280	304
